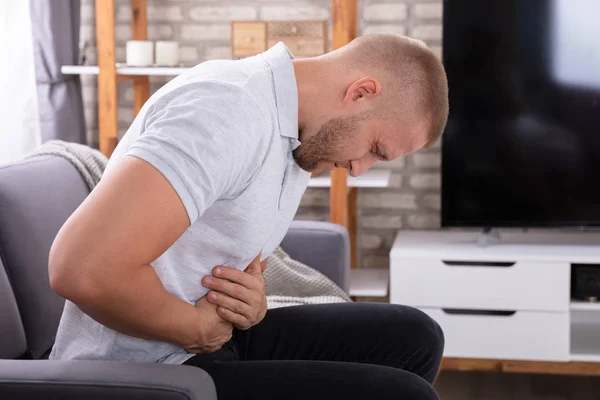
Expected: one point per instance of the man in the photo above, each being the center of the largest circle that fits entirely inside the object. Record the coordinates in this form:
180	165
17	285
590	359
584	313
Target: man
162	262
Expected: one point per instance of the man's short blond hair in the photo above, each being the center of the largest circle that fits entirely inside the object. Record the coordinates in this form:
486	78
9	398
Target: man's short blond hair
413	78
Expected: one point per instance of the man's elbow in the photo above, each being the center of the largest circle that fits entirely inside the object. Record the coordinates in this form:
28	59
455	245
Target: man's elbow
66	275
59	277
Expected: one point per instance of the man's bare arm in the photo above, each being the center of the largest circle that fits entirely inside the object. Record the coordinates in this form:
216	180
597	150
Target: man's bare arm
100	258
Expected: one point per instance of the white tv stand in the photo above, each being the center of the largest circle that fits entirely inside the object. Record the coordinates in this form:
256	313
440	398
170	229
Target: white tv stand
488	238
504	304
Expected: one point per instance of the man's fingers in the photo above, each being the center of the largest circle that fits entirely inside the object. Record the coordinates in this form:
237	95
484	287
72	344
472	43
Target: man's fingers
238	320
255	266
238	295
230	303
263	265
232	289
236	276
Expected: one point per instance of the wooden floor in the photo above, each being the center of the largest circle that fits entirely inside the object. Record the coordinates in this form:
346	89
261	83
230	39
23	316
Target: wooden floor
454	385
529	367
472	379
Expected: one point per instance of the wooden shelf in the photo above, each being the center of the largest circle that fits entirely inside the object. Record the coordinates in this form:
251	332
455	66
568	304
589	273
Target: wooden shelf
124	70
344	15
375	178
585	334
80	69
369	282
151	71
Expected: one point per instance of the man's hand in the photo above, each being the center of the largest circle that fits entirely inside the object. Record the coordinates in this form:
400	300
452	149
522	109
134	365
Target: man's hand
214	330
239	295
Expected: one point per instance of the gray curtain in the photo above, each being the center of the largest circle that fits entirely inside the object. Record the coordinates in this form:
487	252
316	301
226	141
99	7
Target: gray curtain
55	25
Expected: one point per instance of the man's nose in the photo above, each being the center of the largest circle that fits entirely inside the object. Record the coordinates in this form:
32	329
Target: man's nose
359	167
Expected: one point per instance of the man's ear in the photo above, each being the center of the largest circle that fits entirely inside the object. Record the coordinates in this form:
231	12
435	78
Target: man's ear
363	88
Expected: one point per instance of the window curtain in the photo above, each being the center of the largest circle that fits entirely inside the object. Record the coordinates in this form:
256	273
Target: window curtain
19	117
55	30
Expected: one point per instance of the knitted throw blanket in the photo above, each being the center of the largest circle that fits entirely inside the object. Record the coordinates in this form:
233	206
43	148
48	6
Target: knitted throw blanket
287	282
89	162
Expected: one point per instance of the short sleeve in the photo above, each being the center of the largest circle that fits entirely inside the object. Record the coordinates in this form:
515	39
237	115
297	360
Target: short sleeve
205	138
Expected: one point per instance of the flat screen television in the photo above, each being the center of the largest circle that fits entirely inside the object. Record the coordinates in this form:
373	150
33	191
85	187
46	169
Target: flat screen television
522	144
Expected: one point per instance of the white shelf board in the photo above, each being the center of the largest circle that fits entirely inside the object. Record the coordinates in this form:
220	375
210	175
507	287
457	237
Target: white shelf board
80	69
151	71
550	246
375	178
585	335
585	306
369	282
585	357
123	70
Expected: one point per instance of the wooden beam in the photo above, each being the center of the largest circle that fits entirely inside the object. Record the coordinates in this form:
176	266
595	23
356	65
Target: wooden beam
344	21
139	20
352	224
126	78
141	92
139	31
108	128
338	200
522	366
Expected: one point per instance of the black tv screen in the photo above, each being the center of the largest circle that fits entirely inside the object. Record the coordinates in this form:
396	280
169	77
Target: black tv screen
522	144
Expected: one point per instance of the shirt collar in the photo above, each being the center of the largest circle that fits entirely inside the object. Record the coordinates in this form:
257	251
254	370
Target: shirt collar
279	59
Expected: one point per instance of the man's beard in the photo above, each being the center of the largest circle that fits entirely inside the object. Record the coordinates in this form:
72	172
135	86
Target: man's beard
322	146
318	148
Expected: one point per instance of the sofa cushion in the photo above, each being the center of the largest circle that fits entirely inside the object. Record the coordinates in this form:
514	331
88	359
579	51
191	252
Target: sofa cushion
12	333
36	198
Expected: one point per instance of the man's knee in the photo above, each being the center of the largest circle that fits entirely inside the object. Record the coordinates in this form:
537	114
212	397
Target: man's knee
432	331
418	388
409	386
422	327
383	383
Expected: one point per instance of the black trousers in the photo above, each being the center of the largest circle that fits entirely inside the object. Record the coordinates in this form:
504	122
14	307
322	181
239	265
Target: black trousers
333	351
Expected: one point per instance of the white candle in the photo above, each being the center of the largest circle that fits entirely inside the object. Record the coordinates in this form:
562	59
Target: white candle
140	53
167	53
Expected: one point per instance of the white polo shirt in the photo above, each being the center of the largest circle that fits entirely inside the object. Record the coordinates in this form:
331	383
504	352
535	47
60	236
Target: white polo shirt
222	134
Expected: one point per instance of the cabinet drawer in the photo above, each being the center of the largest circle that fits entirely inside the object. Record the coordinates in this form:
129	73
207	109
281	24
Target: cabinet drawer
249	38
524	335
301	46
526	285
297	28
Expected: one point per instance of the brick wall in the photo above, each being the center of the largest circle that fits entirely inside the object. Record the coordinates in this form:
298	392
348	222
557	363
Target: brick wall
202	29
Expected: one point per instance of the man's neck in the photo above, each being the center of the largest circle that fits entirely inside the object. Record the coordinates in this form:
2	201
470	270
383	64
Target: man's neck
308	74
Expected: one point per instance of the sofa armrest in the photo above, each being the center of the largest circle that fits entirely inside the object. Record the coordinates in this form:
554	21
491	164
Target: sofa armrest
323	246
96	380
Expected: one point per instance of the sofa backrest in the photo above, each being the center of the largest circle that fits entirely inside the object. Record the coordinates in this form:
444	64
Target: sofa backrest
36	198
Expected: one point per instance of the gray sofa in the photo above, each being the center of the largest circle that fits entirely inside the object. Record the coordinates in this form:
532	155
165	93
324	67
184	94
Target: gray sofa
36	197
